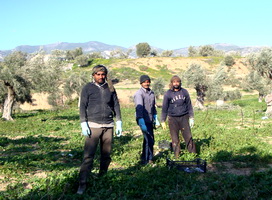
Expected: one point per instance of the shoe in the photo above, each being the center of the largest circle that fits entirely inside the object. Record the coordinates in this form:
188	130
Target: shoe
81	189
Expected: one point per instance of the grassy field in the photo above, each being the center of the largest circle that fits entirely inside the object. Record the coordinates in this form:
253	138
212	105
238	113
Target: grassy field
41	151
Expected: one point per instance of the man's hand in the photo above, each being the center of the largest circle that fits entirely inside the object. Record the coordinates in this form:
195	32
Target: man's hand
86	131
191	122
156	121
142	125
118	130
163	125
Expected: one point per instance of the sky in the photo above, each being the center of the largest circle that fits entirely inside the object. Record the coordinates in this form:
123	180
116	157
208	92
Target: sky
166	24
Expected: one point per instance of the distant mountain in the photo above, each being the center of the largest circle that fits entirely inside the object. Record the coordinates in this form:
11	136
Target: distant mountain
86	47
227	48
105	49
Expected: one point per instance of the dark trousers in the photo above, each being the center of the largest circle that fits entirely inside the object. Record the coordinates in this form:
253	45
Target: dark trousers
148	144
177	124
104	135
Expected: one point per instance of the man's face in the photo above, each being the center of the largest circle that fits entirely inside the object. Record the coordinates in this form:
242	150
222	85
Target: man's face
146	84
176	84
99	77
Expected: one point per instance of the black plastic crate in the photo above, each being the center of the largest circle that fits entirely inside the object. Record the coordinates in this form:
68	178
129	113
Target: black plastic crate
197	165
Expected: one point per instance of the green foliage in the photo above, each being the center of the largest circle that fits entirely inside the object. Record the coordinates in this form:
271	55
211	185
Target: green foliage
143	50
262	62
74	83
254	81
41	152
195	75
162	72
72	54
126	73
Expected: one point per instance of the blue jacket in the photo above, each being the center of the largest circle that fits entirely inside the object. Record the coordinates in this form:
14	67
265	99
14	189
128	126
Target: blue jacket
176	104
145	105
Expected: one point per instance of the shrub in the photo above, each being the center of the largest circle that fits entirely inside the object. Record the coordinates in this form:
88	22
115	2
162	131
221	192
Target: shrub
229	61
232	95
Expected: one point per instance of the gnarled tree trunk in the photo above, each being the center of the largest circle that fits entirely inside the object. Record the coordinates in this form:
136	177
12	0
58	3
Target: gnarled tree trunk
200	92
268	101
8	104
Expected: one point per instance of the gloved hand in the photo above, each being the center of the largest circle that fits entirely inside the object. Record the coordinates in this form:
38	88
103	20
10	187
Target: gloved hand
163	125
118	130
156	121
191	122
86	131
142	125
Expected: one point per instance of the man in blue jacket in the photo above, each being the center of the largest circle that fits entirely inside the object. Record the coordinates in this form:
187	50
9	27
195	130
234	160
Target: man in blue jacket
98	105
146	117
178	107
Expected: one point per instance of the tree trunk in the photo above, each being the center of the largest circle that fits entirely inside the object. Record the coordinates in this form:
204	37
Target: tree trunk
268	101
200	92
261	97
199	103
8	104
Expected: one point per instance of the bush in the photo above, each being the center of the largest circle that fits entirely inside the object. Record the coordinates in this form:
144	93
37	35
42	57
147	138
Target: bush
229	61
158	87
232	95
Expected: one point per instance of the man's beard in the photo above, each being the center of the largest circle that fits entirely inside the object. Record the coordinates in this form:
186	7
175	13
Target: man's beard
176	86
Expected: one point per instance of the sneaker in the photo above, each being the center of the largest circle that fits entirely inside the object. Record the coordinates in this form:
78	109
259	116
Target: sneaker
81	189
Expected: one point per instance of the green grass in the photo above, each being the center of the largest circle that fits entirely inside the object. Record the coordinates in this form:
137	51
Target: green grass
41	151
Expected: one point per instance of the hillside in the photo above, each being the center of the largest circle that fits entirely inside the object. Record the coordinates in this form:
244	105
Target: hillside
127	87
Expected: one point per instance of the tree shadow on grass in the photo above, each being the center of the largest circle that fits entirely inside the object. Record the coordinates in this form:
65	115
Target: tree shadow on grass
151	182
154	182
38	153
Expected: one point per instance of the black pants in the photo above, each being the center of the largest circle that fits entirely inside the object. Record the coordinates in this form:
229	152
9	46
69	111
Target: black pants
148	144
177	124
104	135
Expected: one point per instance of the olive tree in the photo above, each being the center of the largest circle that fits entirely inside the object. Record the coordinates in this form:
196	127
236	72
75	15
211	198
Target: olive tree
254	81
143	49
192	51
20	76
74	83
206	50
215	85
262	63
196	76
158	87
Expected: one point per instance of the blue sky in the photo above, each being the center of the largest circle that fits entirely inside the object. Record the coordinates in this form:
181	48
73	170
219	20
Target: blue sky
167	24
